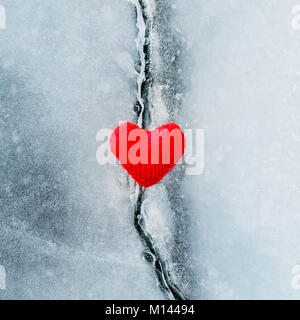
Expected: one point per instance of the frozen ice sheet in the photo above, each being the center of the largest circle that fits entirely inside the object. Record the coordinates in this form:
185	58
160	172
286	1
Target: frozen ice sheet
242	75
66	229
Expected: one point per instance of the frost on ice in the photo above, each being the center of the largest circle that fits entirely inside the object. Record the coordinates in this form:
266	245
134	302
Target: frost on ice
69	68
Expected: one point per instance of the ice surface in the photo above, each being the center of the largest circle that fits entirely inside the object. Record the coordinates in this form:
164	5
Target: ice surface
66	227
230	67
241	69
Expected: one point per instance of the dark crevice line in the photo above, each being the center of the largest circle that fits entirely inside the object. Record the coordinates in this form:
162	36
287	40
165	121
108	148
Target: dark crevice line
147	81
142	109
152	255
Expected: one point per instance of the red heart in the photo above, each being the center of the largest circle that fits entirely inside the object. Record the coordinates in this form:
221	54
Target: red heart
147	155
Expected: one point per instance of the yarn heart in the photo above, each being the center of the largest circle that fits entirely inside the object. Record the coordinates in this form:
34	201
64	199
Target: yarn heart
146	155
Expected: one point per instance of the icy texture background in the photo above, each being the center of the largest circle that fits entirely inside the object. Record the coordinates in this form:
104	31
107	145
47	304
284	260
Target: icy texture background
66	230
66	226
242	69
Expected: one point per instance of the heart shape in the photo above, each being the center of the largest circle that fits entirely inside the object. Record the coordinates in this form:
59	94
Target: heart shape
146	155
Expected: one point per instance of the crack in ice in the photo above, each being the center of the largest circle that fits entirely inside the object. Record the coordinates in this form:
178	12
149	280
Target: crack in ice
143	107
